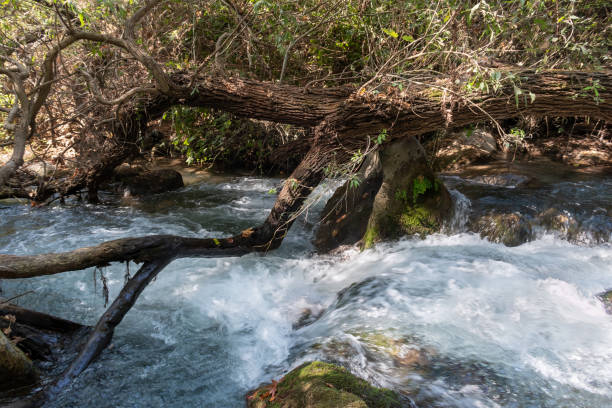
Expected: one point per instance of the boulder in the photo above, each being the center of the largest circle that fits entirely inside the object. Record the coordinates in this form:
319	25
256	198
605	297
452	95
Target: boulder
561	223
136	180
459	148
346	214
404	351
411	199
322	385
509	229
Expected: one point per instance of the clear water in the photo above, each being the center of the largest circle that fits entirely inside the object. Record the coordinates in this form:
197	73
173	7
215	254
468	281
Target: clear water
502	327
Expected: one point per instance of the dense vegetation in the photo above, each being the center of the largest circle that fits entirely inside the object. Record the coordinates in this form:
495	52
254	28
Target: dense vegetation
457	48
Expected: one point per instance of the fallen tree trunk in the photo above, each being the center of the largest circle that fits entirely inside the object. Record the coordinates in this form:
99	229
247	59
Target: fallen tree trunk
350	117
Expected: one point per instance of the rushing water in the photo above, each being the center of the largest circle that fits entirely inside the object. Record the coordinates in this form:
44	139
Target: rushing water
495	326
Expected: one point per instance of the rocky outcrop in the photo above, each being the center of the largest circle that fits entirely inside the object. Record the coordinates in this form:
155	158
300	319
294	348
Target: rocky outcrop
136	180
322	385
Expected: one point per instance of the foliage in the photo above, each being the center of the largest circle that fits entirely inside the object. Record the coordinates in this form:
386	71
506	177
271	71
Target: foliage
383	46
420	186
206	137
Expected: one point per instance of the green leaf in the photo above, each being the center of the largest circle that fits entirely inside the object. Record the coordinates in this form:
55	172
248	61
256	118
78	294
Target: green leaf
391	32
408	38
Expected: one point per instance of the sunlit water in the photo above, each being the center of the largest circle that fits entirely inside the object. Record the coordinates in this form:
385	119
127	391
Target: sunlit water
502	327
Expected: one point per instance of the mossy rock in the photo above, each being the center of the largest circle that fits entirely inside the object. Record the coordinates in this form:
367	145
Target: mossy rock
509	229
554	220
404	351
606	299
323	385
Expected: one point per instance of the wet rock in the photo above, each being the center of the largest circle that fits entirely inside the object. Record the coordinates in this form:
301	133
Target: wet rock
404	351
460	148
509	229
307	317
322	385
137	180
345	216
503	180
554	220
606	299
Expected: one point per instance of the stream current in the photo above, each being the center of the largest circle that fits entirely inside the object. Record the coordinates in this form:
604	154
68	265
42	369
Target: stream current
490	325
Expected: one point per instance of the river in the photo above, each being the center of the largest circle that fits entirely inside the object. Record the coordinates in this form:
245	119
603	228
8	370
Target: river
493	326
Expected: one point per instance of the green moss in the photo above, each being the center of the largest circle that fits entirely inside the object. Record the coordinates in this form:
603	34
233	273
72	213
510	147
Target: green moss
370	237
401	195
323	385
420	186
418	220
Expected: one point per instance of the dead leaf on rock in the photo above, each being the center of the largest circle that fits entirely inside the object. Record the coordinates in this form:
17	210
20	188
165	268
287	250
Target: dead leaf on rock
247	232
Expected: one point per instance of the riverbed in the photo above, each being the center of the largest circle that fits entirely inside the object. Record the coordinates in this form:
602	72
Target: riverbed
493	326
